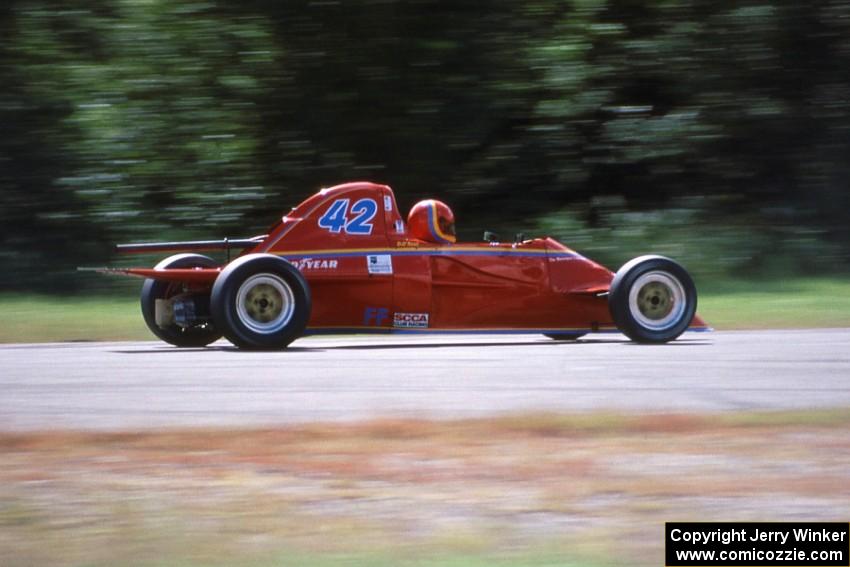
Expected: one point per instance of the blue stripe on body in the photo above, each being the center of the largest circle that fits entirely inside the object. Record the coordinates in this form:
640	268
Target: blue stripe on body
541	254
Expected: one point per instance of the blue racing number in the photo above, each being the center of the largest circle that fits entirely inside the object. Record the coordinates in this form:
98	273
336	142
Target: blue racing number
336	218
365	210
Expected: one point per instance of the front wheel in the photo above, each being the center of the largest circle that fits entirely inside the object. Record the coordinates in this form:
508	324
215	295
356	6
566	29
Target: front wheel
652	299
261	301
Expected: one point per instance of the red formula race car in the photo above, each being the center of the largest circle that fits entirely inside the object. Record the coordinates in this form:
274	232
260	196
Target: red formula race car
345	261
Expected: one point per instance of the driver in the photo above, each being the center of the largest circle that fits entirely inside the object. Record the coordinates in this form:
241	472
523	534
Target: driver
432	221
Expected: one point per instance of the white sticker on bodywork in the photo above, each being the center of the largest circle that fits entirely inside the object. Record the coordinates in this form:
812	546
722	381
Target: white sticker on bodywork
399	227
388	203
379	263
410	320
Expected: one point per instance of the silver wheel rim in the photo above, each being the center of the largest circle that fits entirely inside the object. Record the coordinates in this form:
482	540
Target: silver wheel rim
265	303
657	301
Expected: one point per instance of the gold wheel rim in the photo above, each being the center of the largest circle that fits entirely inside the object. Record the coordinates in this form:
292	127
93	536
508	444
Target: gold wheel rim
265	303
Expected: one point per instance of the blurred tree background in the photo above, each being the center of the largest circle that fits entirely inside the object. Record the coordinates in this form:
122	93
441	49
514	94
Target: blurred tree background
714	131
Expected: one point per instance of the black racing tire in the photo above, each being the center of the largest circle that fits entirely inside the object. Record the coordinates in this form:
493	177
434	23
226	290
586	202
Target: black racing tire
564	336
152	290
652	299
261	302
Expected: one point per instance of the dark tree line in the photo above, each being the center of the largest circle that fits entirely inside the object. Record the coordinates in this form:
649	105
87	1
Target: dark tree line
717	131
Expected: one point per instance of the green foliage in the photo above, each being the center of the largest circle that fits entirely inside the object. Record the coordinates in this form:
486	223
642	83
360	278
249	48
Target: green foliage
736	246
129	120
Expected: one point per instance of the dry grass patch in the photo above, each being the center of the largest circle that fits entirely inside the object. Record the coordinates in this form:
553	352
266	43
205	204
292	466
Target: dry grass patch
589	485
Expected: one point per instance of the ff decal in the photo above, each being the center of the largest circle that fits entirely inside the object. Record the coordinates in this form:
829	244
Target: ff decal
375	316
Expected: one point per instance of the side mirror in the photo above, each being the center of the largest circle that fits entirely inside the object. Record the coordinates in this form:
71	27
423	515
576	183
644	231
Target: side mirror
490	237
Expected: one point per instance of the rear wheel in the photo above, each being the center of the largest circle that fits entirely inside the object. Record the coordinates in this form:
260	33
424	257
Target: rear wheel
261	301
652	299
196	334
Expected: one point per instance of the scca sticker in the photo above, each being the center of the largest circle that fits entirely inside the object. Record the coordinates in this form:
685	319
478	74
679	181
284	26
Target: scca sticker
410	320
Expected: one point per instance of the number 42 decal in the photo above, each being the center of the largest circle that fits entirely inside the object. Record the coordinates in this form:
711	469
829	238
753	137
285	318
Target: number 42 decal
336	218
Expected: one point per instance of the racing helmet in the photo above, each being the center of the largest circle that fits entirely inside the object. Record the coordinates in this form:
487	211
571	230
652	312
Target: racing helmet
432	221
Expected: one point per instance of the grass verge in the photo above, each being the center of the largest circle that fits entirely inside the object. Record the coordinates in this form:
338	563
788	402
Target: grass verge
45	318
795	303
527	490
777	304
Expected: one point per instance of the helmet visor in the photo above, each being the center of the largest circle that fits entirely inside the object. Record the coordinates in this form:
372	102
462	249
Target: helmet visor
447	226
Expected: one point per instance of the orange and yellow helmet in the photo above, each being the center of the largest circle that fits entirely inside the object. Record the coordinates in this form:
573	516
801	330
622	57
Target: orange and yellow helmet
432	221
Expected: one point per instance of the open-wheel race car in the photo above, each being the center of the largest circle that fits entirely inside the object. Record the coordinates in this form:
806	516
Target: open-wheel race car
345	261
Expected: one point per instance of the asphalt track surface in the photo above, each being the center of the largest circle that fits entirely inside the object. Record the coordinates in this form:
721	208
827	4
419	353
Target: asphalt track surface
124	386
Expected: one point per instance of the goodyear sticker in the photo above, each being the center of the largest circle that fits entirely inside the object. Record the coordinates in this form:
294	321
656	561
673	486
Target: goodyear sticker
379	263
314	264
410	320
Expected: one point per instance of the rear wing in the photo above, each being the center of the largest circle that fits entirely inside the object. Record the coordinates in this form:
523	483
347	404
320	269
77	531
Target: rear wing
227	244
191	275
